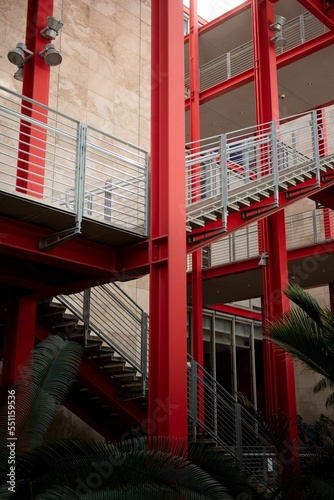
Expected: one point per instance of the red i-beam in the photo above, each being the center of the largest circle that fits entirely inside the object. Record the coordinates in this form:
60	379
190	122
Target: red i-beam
167	407
197	294
36	78
279	372
21	314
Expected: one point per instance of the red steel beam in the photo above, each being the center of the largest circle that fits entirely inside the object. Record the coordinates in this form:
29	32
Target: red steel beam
20	322
20	239
278	369
195	135
288	57
236	311
318	9
168	325
36	79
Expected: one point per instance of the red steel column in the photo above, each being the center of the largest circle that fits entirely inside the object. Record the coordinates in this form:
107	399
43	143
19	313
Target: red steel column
279	372
323	151
167	407
195	135
20	322
36	79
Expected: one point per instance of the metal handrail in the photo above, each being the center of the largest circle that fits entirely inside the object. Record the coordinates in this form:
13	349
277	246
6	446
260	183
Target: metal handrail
302	229
254	163
296	31
117	320
213	410
68	156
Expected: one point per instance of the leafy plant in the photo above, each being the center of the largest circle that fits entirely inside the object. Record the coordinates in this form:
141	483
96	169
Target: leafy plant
71	469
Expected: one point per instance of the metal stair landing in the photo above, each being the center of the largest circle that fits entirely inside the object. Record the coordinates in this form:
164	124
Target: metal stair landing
235	172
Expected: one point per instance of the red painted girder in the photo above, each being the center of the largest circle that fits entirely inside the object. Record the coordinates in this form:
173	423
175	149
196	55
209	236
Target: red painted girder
227	86
284	59
316	8
225	17
231	268
325	197
236	311
305	49
235	220
20	239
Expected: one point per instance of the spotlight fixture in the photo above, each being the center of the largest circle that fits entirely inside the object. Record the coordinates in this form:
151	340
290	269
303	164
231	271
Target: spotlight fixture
278	40
51	30
50	55
264	259
278	24
19	74
17	56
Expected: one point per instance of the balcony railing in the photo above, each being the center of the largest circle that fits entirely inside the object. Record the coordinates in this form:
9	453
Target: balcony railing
232	171
299	30
51	159
302	229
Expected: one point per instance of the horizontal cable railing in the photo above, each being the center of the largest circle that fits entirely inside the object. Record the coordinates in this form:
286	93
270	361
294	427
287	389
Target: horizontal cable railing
299	30
49	158
116	319
213	410
228	172
302	229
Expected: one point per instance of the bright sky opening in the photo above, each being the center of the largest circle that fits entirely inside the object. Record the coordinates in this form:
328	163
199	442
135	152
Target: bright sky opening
210	9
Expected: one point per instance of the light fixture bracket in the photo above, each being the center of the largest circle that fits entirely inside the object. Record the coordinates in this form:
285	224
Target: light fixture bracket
50	55
278	24
51	31
20	54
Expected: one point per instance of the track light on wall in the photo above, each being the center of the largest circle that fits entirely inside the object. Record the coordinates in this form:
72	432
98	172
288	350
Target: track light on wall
264	259
278	40
278	24
51	30
50	55
18	55
19	74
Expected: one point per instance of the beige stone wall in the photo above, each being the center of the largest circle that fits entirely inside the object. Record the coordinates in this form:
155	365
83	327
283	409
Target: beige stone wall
309	405
104	77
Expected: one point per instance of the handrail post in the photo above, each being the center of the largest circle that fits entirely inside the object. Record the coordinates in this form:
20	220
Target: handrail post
224	180
193	391
274	153
144	335
316	153
80	174
147	192
238	430
86	313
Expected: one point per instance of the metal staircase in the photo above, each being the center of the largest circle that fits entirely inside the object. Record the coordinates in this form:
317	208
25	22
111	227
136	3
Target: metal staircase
221	421
114	331
235	172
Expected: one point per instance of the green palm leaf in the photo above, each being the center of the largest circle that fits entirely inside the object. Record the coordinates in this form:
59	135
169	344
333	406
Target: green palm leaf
306	332
96	469
45	381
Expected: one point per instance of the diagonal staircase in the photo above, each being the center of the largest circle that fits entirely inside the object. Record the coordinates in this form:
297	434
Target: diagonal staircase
249	170
215	417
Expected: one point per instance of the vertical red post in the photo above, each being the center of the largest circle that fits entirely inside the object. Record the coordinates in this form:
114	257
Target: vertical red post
197	295
36	79
279	371
167	407
323	151
20	322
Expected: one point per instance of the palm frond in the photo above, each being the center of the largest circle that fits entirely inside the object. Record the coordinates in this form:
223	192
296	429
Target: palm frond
302	337
305	302
140	472
44	381
323	384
